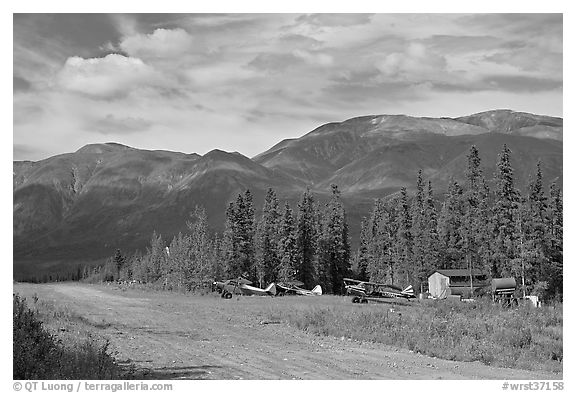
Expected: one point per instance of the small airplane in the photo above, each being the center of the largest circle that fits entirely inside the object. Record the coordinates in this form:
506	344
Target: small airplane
293	288
363	291
241	286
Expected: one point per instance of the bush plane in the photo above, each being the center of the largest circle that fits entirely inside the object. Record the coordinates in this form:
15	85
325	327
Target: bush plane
364	291
294	288
241	286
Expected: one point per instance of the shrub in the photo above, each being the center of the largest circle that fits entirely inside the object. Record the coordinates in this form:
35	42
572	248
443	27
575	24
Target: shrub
524	337
40	355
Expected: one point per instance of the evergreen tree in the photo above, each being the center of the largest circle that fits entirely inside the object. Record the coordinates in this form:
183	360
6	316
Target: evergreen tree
119	262
421	233
230	251
430	240
554	273
450	242
267	238
376	238
474	228
363	255
505	208
306	240
245	209
404	240
287	249
534	238
238	241
334	247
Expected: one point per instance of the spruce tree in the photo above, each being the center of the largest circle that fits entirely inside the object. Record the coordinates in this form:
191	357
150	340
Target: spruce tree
334	247
506	204
239	238
287	246
450	242
119	262
246	235
363	255
406	271
534	237
474	228
230	244
419	233
431	254
554	273
267	238
306	240
377	242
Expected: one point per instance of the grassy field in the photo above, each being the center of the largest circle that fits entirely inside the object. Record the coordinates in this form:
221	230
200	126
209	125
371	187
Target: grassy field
523	337
45	348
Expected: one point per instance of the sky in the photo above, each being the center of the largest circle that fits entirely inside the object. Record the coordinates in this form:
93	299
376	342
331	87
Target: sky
244	82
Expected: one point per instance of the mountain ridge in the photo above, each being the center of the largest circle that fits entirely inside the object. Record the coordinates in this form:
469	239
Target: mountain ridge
81	206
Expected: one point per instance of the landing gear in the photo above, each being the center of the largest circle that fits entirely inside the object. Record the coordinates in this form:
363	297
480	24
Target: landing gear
226	295
355	299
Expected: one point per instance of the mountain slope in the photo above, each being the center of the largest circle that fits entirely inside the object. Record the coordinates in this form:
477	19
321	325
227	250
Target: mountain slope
81	206
383	152
517	123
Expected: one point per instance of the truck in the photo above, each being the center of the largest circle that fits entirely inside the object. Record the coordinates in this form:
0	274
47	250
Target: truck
503	291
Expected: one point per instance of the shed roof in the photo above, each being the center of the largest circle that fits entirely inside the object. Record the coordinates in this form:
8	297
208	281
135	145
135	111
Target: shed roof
459	272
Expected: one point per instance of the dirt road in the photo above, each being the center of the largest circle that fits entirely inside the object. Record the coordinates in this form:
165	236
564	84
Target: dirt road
177	336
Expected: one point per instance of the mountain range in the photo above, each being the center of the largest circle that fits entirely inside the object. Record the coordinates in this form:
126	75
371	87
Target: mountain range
80	207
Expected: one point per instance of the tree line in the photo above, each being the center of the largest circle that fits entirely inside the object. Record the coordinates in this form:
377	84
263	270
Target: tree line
499	231
310	245
406	237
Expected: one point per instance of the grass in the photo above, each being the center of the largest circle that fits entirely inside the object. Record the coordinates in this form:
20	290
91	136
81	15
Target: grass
524	337
40	353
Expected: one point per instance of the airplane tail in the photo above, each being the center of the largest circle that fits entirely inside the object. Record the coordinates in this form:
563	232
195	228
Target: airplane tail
271	289
408	291
317	290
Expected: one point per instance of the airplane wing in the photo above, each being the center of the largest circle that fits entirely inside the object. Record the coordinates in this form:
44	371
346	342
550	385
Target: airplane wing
285	288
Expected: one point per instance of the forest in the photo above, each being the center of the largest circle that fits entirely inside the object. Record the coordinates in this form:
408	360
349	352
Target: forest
485	224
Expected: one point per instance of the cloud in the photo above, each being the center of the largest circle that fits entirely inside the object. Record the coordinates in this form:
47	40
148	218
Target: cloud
26	112
521	84
224	74
296	41
161	43
273	62
314	58
113	75
335	19
455	44
281	62
119	125
360	93
20	84
415	64
529	59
